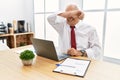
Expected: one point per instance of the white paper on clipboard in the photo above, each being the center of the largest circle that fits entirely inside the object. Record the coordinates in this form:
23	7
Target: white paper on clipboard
73	66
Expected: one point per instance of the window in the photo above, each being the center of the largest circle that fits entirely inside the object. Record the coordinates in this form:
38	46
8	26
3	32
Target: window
38	6
51	5
93	4
43	30
113	4
112	39
104	15
39	26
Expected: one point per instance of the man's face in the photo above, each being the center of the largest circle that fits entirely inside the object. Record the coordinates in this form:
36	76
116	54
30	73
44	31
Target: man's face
72	19
71	8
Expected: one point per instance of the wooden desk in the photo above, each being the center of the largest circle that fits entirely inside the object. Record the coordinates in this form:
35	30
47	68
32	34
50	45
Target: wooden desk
11	68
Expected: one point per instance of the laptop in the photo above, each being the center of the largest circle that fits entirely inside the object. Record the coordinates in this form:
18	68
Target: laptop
46	48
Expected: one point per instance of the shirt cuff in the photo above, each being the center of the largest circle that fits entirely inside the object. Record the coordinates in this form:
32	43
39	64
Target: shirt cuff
90	53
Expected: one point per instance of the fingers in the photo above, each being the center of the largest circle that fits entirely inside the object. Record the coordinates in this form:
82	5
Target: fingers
72	52
69	51
81	16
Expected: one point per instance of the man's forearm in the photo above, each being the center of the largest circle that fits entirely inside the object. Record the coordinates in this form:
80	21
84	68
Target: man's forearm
72	14
65	14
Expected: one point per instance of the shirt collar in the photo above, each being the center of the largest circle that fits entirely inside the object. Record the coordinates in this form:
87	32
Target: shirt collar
78	24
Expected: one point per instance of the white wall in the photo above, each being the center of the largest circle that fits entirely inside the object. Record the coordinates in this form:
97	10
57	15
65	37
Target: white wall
29	12
16	10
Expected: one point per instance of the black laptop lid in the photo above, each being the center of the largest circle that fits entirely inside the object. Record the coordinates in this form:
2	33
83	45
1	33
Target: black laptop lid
45	48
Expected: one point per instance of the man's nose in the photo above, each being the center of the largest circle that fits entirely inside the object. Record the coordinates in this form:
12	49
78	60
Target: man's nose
70	18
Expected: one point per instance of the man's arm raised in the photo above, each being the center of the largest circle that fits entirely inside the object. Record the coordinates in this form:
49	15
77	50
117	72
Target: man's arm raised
73	14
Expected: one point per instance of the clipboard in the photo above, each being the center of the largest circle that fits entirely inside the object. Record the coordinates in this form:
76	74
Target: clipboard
73	66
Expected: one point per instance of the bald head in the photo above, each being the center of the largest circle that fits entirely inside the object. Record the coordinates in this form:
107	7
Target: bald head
71	7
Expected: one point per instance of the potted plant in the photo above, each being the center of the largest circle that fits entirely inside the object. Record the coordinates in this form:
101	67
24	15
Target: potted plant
27	57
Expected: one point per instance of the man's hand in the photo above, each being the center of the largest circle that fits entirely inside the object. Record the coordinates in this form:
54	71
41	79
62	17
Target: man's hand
79	14
74	52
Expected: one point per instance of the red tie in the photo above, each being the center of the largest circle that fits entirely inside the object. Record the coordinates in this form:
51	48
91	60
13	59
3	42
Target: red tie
73	40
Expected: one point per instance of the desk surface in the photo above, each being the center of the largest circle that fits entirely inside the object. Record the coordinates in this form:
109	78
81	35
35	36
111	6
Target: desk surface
11	68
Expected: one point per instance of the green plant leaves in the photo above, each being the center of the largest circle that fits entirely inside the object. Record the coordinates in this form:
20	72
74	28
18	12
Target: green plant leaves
27	55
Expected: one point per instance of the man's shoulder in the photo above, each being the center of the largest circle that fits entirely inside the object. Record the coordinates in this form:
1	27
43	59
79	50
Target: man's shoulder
87	26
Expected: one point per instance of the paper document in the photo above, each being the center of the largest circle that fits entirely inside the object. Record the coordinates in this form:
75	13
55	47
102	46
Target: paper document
73	66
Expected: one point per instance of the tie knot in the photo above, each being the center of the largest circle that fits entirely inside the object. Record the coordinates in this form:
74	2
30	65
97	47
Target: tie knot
72	26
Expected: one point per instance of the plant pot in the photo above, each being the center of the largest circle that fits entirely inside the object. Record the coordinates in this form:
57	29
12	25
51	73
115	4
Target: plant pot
27	62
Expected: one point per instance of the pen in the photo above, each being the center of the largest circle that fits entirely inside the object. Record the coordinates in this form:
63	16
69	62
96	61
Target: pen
65	65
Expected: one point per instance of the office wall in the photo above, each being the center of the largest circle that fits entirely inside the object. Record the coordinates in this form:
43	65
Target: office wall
29	12
16	10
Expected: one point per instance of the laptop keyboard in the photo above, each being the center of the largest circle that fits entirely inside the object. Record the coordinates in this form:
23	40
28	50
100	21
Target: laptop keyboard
63	56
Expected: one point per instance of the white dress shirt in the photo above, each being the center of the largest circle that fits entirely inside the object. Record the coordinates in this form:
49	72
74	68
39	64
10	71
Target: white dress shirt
86	36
